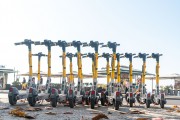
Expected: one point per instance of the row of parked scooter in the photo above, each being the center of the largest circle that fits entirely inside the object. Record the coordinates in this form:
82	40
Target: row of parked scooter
67	94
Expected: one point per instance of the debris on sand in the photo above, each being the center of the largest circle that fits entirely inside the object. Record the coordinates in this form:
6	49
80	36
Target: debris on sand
82	118
121	112
22	101
99	116
3	108
157	119
50	113
33	109
30	117
136	112
175	106
178	111
109	113
170	110
143	119
19	108
20	113
94	113
67	113
48	108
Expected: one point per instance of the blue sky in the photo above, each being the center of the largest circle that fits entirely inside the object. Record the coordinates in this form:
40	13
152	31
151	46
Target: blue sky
139	26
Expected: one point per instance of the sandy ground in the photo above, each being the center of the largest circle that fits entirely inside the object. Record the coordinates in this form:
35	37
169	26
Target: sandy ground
88	113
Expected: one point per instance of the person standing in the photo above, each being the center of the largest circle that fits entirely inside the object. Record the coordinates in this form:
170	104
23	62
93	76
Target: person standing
24	85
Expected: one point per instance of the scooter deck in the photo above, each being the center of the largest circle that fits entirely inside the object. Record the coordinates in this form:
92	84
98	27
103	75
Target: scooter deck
79	98
43	96
22	96
62	98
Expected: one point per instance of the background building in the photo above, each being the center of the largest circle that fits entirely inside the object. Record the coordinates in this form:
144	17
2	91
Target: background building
4	76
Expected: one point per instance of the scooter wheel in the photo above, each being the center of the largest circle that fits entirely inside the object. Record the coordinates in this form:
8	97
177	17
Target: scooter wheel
148	102
162	104
71	103
138	98
12	100
126	97
92	103
130	103
102	101
87	101
153	99
53	102
116	105
31	101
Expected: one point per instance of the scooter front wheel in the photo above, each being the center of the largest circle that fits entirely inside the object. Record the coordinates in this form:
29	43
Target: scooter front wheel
71	103
102	101
31	101
53	102
87	101
148	102
153	99
138	98
92	103
131	103
12	100
126	97
116	105
161	103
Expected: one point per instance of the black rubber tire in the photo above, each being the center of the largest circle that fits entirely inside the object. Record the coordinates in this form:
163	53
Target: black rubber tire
116	105
148	102
138	98
31	101
87	101
12	100
92	103
162	104
102	101
54	102
130	103
71	103
120	103
126	97
152	98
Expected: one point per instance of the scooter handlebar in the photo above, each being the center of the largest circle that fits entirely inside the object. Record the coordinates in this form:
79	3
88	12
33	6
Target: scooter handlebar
84	56
53	43
19	43
85	45
37	43
122	56
136	56
104	46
